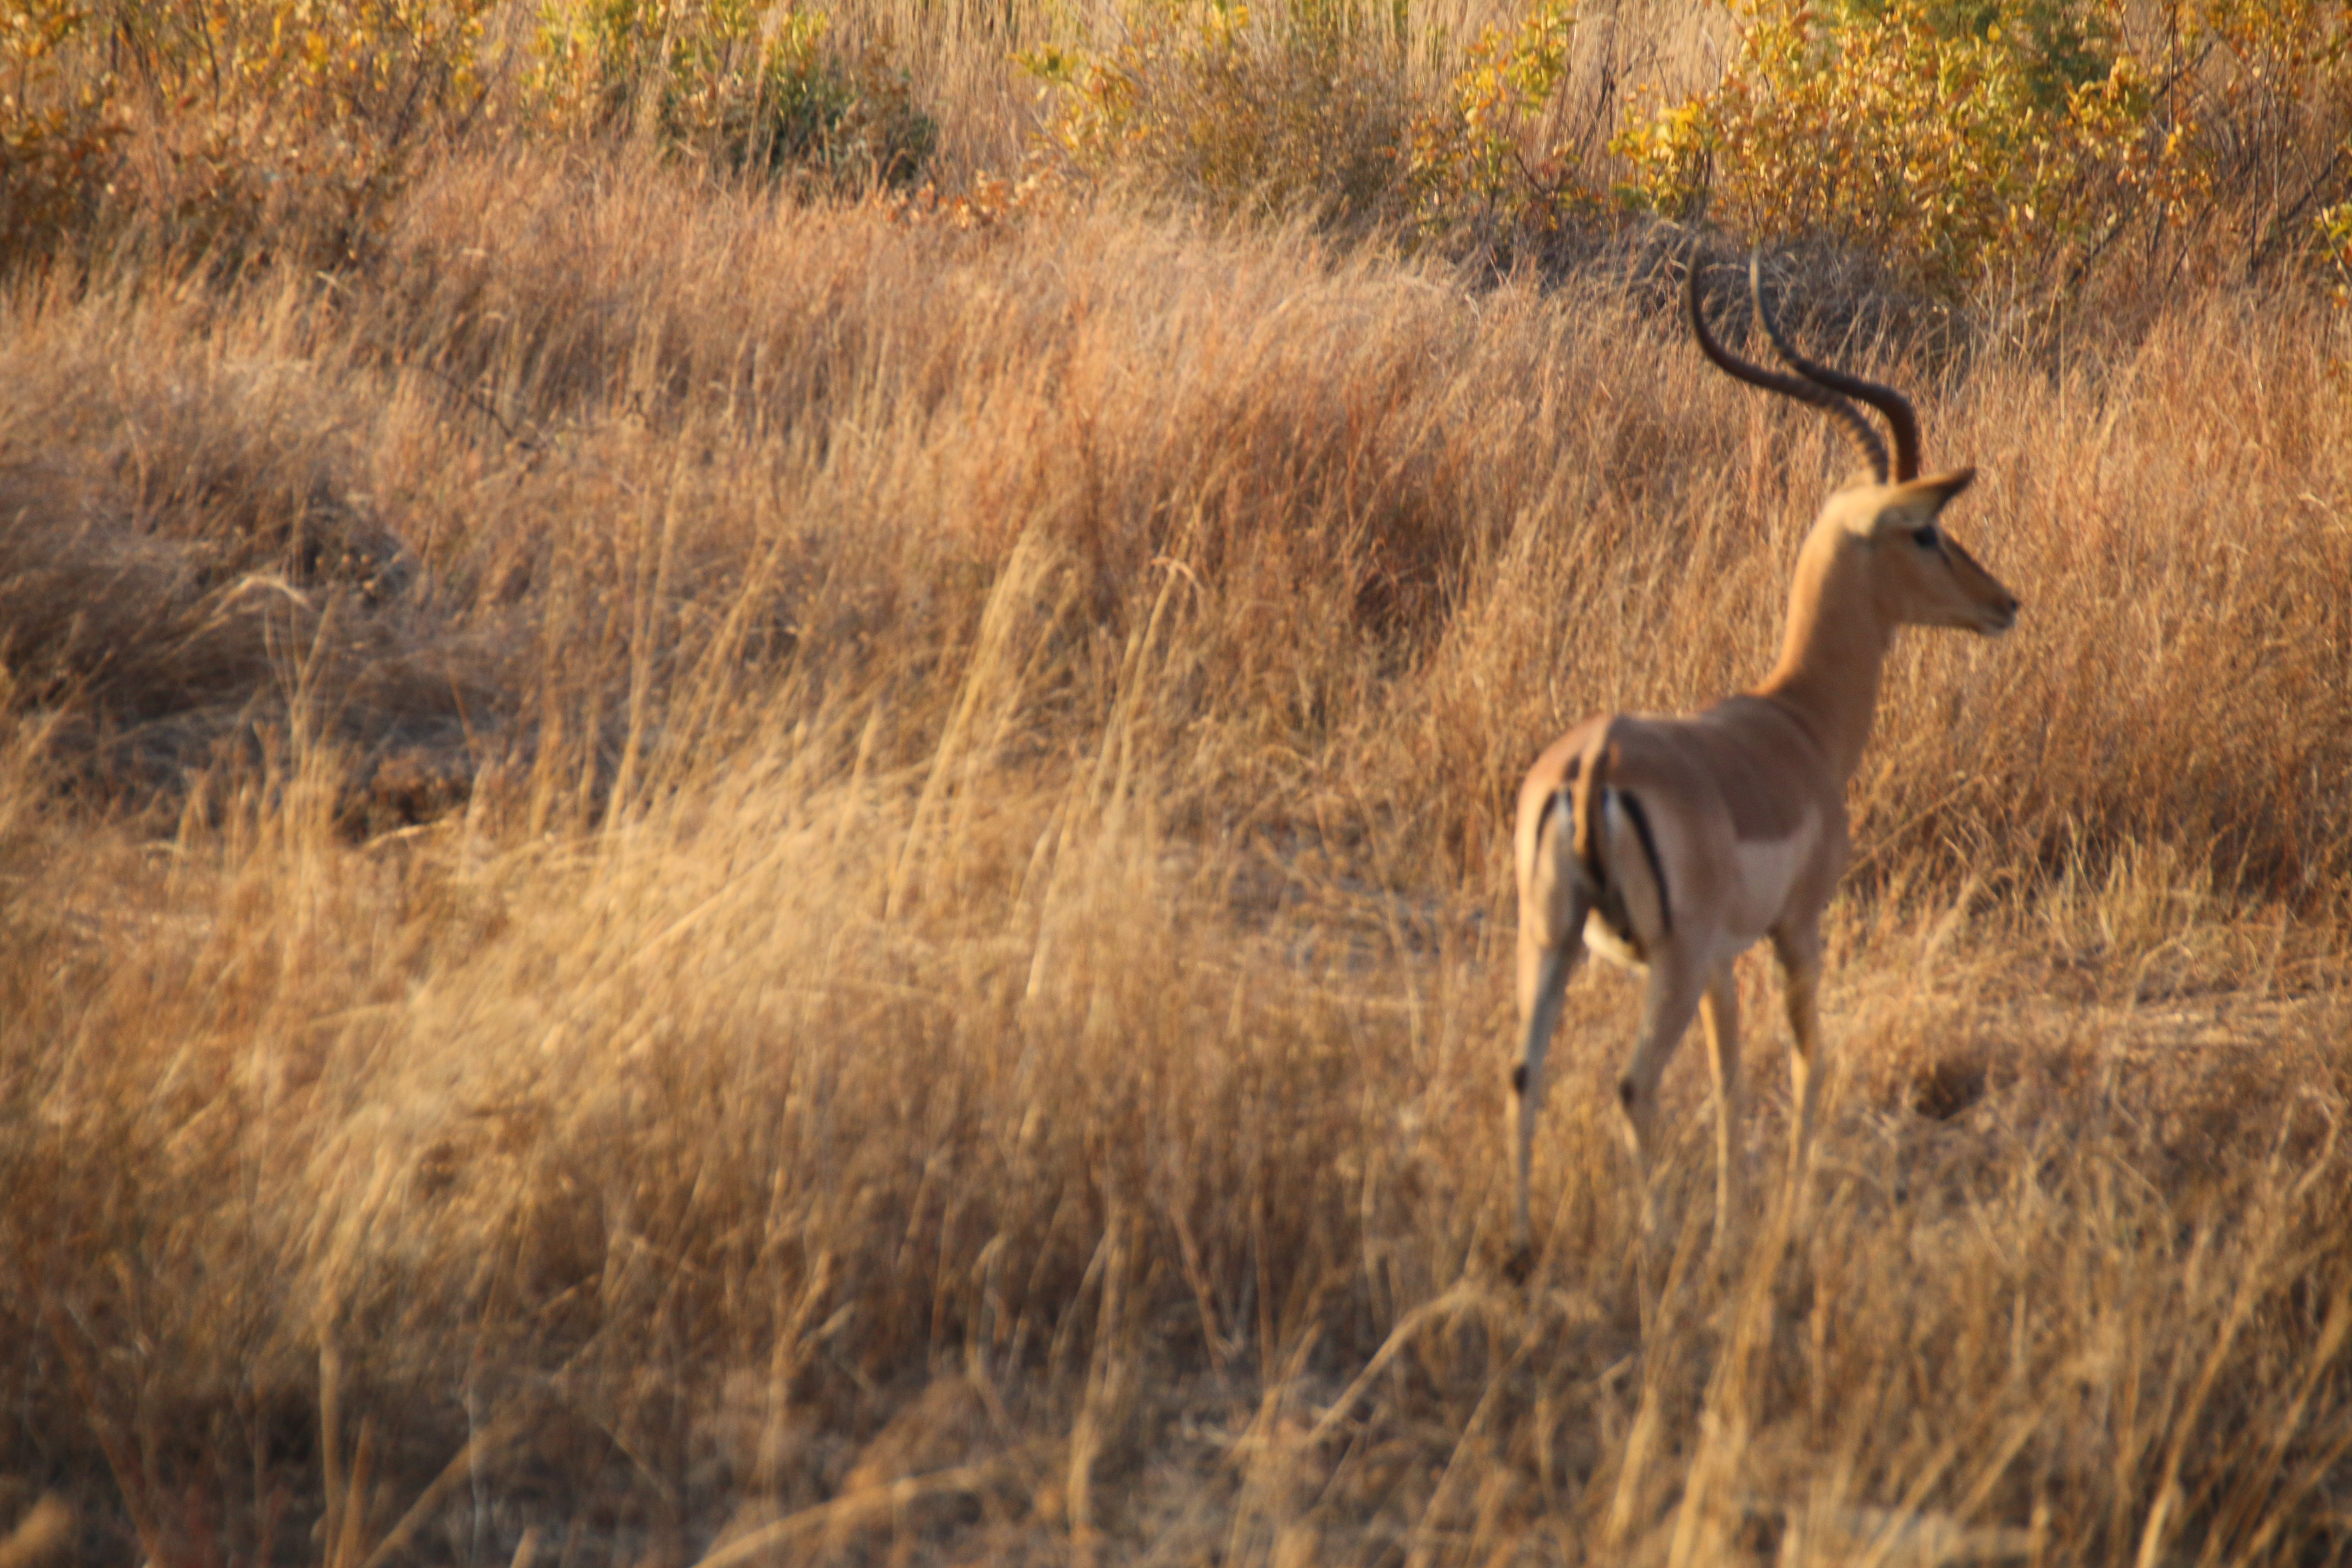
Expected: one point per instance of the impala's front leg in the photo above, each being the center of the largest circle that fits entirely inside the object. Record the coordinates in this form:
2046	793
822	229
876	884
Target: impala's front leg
1799	954
1721	1011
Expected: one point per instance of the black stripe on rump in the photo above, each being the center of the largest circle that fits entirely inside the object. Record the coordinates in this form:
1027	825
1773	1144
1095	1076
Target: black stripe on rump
1650	850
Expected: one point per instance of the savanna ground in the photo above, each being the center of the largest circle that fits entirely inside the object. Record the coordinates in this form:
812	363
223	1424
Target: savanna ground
702	869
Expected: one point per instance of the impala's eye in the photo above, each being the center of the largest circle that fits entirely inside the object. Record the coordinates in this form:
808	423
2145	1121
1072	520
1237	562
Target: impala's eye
1924	536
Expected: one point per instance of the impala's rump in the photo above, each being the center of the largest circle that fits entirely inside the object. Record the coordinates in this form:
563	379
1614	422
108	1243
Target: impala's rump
1617	855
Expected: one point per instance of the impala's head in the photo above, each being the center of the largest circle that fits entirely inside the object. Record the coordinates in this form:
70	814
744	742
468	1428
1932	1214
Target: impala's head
1888	523
1919	574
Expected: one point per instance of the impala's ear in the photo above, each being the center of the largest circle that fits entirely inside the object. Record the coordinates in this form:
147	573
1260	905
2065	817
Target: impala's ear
1916	501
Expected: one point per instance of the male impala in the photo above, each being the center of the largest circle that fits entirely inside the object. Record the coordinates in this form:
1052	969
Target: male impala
1674	844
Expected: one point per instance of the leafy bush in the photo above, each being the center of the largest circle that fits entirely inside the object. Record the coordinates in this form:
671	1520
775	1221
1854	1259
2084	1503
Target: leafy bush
2270	89
236	130
1303	109
2335	238
747	86
56	146
212	122
1963	138
1472	179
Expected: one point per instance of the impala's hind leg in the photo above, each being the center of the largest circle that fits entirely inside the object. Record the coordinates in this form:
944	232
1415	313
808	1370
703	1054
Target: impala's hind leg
1544	972
1555	895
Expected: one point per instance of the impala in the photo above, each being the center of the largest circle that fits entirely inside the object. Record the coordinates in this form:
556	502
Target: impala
1674	843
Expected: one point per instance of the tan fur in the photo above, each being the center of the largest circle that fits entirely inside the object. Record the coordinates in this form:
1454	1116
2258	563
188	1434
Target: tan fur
1746	801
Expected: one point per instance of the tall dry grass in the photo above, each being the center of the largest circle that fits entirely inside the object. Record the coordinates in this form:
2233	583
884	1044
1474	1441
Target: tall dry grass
689	877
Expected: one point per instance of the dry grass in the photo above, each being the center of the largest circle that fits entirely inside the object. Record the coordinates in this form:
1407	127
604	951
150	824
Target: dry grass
690	877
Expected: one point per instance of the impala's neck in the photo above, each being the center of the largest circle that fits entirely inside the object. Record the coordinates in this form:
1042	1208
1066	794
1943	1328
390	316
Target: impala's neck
1833	648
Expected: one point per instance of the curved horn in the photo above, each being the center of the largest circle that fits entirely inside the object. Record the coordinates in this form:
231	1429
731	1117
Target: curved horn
1886	399
1820	396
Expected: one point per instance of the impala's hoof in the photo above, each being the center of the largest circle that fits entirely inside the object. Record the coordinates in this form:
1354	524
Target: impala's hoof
1519	1263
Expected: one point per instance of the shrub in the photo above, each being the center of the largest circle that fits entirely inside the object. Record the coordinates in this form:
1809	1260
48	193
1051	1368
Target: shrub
1304	109
225	128
1958	139
56	145
2334	226
748	87
2270	90
1472	180
1965	139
